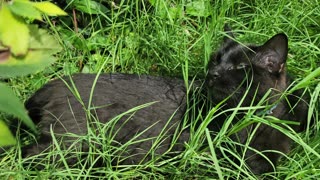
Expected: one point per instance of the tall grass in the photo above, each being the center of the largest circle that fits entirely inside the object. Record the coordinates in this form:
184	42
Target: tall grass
176	38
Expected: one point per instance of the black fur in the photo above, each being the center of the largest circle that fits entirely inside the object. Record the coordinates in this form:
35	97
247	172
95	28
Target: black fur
231	71
55	106
235	69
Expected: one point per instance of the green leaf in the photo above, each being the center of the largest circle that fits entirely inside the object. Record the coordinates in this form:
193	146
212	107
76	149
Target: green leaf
176	12
88	6
14	33
2	48
305	82
33	62
49	8
152	2
6	137
10	104
41	40
25	9
41	47
198	8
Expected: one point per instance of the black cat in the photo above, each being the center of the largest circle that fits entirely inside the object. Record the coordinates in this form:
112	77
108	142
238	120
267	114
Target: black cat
244	74
66	105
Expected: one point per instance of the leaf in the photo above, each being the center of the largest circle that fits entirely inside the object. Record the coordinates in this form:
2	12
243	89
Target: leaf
49	8
14	33
307	80
10	104
25	9
6	137
163	10
33	62
41	40
152	2
2	48
90	7
176	12
198	8
41	47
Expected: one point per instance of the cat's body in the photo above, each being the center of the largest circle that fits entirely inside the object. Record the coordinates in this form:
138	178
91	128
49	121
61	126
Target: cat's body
55	106
230	72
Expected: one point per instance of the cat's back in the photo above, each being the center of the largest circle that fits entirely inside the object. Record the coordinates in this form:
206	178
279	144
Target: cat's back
143	104
116	84
108	95
109	89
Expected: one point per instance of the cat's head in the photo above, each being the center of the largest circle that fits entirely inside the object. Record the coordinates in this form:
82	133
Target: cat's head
235	68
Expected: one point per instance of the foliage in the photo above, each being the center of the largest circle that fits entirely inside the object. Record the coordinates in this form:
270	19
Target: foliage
176	38
90	7
24	49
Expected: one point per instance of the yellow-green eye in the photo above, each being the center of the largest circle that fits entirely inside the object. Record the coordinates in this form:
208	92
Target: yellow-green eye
230	68
241	66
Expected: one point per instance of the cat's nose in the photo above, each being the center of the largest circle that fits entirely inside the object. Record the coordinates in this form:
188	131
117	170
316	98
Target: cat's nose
215	74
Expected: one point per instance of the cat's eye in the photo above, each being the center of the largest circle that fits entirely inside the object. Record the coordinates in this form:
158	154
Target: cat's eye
241	66
230	68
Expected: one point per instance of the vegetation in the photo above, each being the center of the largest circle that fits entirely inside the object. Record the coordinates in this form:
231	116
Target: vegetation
24	49
176	38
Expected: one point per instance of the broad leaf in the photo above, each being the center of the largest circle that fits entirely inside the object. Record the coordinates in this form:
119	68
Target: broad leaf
25	9
198	8
88	6
10	104
41	40
2	48
6	137
14	33
41	47
152	2
33	62
49	8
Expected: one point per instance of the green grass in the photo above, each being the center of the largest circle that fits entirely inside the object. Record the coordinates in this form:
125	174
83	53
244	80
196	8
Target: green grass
176	38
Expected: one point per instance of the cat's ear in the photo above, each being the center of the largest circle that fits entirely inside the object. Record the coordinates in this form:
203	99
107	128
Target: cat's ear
229	37
272	55
278	43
